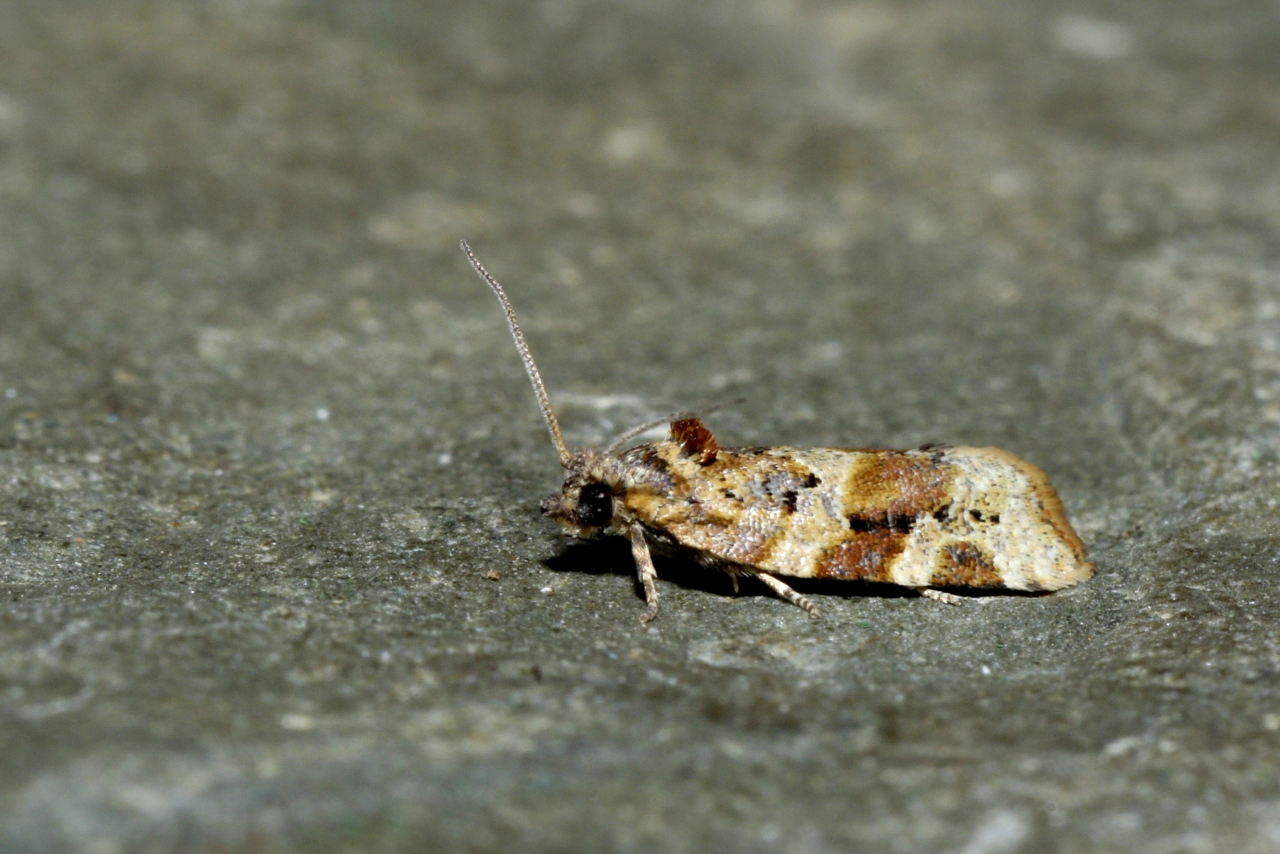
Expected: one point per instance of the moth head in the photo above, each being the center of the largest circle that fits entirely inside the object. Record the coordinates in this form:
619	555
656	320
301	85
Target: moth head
584	510
586	503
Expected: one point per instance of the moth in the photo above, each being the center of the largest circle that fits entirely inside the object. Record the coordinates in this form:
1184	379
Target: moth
930	518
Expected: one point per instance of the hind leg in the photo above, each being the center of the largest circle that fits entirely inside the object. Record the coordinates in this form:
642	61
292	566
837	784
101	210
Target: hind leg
940	596
784	592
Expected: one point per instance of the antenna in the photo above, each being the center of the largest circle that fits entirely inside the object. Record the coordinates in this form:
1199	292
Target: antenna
666	419
644	428
532	369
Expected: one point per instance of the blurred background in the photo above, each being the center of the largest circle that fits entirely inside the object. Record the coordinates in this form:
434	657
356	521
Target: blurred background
265	443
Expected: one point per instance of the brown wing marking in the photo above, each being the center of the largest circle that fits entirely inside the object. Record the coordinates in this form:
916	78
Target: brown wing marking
868	556
884	495
649	462
892	484
695	440
963	564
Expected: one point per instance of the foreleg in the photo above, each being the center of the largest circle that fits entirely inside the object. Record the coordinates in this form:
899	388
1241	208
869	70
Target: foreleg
644	567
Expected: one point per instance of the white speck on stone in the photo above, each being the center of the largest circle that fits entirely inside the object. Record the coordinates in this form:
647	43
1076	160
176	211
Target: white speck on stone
213	344
11	393
1000	831
545	590
739	376
827	351
322	414
583	205
1092	38
986	671
445	458
1008	183
1268	814
761	210
602	402
298	723
1126	744
732	749
629	143
997	384
923	229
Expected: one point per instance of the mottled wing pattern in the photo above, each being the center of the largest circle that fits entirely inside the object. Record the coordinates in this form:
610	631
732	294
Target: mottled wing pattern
970	517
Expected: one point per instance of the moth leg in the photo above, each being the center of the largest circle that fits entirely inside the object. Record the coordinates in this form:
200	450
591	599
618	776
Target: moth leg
784	592
733	578
648	575
940	596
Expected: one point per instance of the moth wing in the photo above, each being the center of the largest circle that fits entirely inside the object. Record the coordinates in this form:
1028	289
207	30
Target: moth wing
956	517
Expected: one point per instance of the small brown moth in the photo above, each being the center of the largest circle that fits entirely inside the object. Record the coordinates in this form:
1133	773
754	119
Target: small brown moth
924	519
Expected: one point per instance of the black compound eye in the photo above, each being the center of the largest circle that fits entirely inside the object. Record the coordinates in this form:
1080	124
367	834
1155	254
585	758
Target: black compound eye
595	506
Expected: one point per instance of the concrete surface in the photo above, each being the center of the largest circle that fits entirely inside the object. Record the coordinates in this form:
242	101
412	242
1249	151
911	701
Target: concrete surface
264	441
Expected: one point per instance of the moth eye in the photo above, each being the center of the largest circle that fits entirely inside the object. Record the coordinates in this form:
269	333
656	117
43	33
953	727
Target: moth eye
595	506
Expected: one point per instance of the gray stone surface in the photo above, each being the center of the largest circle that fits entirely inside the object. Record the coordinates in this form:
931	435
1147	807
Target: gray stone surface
263	434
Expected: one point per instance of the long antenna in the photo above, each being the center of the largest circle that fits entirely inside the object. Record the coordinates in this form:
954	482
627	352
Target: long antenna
644	428
532	369
666	419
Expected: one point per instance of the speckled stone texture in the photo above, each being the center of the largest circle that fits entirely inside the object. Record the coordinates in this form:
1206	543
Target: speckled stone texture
274	576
